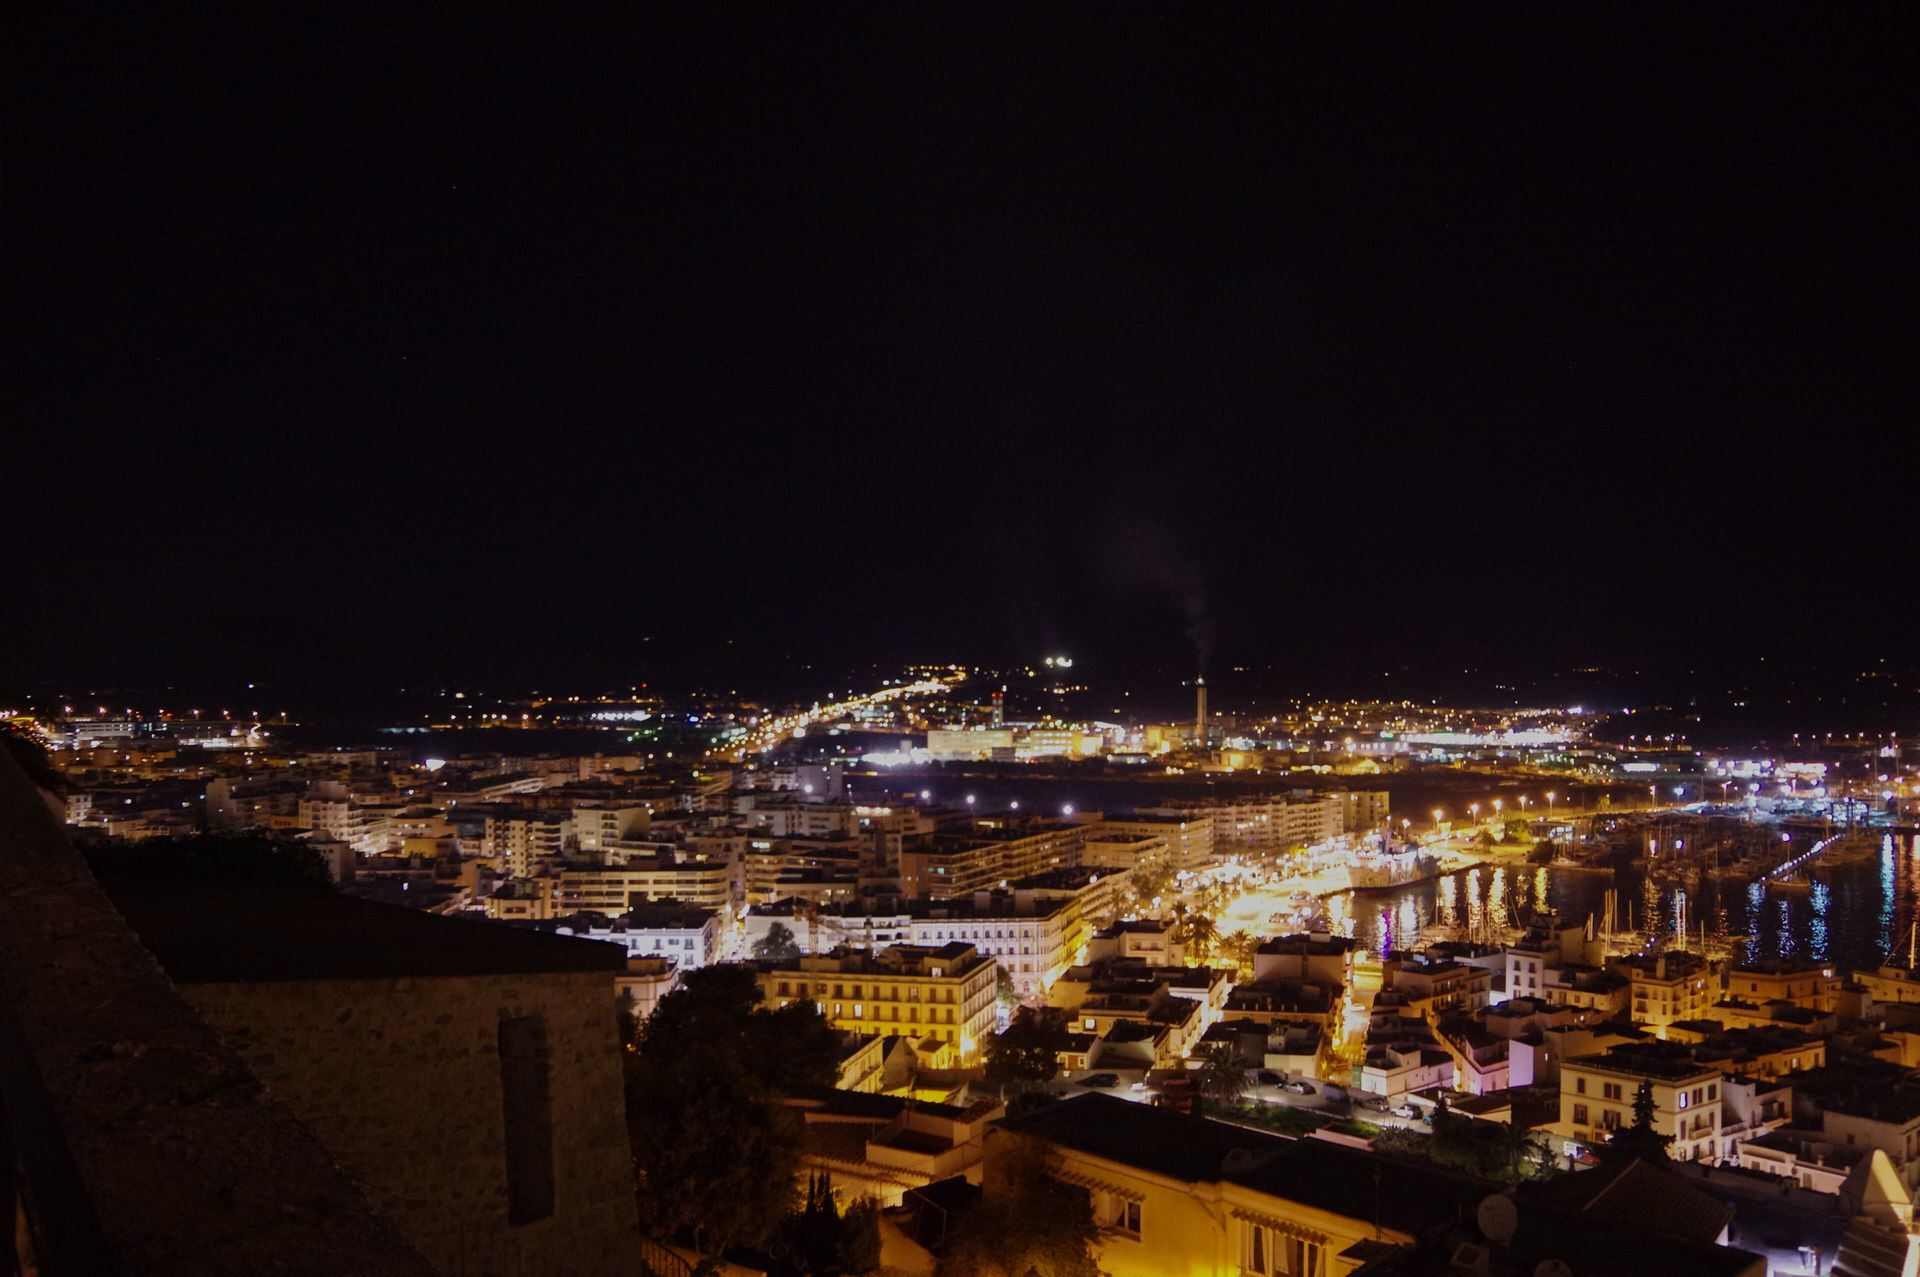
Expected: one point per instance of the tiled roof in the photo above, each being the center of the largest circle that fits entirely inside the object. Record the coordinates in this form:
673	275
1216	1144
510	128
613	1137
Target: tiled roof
1642	1196
1160	1140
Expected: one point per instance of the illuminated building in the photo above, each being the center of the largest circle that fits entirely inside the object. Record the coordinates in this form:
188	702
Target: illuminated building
945	994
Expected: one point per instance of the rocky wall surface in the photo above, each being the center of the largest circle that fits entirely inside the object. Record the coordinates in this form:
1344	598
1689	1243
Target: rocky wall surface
402	1080
187	1165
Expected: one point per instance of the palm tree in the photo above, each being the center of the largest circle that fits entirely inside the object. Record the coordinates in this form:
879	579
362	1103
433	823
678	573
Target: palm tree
1237	947
1198	933
1223	1074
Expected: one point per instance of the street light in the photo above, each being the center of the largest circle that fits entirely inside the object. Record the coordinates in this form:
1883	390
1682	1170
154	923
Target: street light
1549	804
1473	809
1438	812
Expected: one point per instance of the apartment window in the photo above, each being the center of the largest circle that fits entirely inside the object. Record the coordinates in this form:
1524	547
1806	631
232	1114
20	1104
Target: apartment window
1610	1090
1270	1252
858	1011
1610	1120
1580	1085
1115	1212
1579	1115
1713	1090
526	1105
1683	1098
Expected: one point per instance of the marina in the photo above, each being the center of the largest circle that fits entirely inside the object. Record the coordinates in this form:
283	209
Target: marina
1852	913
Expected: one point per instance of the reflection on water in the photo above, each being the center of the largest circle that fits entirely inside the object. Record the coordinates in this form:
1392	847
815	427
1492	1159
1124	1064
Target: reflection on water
1853	915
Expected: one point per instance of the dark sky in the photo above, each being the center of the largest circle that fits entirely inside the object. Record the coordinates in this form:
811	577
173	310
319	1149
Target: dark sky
404	344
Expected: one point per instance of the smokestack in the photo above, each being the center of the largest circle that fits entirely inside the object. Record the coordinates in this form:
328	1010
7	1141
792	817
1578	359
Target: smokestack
1200	710
1000	709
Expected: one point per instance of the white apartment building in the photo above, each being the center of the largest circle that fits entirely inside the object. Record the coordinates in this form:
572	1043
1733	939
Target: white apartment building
1597	1094
595	829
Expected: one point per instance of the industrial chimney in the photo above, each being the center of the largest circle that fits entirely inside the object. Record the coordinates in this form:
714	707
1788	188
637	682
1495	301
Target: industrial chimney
1200	710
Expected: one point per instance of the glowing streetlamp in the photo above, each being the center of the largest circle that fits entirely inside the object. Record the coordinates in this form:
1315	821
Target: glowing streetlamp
1438	812
1473	809
1549	804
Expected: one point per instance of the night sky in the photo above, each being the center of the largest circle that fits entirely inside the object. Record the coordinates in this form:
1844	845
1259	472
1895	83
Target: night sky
410	343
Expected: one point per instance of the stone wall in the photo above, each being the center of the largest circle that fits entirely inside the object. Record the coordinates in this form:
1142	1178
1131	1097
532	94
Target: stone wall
402	1080
187	1168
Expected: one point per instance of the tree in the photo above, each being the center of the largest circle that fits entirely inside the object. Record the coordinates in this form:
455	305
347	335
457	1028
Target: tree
1542	853
858	1248
718	1007
623	1014
1028	1052
1223	1074
716	1154
716	1157
1004	991
1195	931
778	945
1148	885
1641	1139
1238	947
1028	1220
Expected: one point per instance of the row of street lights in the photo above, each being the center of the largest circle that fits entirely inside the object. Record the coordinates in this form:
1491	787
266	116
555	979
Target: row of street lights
1499	804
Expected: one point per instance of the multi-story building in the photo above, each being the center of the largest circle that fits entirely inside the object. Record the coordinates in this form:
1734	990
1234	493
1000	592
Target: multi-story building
789	816
594	828
1320	957
1188	839
1103	848
1036	929
1176	1196
1670	986
1861	1105
1597	1094
1026	850
944	994
1812	985
1441	988
684	936
602	889
520	841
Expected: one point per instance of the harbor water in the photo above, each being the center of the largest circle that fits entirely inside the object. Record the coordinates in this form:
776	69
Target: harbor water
1852	916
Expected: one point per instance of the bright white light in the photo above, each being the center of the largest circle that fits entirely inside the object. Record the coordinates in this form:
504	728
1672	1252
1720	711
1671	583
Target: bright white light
434	764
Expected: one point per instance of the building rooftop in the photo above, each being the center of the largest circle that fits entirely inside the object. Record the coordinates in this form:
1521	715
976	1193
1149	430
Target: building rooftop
1346	1181
1638	1195
1190	1149
217	932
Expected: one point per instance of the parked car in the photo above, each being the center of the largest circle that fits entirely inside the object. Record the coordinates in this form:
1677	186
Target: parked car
1300	1088
1268	1077
1404	1110
1332	1091
1101	1079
